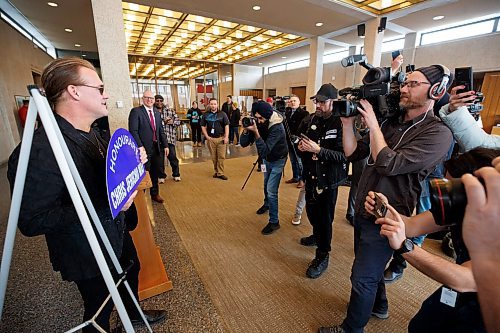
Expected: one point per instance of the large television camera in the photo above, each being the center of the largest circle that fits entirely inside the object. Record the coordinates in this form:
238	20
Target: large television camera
379	88
280	103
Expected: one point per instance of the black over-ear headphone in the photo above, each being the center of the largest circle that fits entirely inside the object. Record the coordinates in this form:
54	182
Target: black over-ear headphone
438	89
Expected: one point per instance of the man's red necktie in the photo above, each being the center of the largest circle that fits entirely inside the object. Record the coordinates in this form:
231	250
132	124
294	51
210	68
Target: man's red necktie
152	124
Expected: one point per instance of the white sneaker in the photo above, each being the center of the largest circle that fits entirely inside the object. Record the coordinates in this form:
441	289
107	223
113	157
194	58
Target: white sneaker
296	220
177	179
161	180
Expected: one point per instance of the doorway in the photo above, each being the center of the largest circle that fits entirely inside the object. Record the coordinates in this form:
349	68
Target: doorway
301	94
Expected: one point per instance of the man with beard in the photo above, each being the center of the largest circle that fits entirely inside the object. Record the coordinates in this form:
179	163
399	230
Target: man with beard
215	129
325	168
269	137
402	151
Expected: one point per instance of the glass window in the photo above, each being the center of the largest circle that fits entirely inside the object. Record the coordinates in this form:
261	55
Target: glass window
393	45
469	30
337	56
274	69
297	64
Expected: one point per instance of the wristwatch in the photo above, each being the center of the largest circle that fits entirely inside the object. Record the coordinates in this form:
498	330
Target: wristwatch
407	246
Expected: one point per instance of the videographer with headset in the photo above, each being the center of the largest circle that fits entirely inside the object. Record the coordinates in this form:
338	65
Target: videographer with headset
454	307
269	137
481	228
402	151
325	168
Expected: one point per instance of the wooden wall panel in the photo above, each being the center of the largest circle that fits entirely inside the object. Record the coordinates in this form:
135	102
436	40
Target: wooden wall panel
491	90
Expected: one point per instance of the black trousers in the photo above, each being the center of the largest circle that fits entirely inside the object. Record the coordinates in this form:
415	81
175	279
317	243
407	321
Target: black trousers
94	291
155	168
320	210
196	133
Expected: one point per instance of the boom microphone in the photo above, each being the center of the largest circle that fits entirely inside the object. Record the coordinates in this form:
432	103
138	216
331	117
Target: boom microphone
353	59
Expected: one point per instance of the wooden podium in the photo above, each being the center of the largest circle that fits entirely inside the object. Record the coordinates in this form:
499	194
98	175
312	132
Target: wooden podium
153	279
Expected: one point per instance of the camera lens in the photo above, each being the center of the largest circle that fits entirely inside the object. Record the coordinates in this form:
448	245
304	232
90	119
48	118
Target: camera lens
448	201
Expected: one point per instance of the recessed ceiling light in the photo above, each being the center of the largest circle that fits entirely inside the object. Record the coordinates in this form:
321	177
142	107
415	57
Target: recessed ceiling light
256	7
68	30
84	55
78	45
260	63
283	57
319	24
437	18
52	4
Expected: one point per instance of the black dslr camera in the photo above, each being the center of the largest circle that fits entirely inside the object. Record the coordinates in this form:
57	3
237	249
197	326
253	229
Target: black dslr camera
379	88
247	121
448	201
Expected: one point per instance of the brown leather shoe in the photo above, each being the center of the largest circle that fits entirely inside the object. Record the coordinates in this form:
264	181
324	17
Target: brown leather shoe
292	181
300	184
157	198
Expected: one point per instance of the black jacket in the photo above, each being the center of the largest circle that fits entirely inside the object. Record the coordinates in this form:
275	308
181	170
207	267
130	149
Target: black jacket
139	126
272	144
294	120
234	117
330	168
226	108
47	209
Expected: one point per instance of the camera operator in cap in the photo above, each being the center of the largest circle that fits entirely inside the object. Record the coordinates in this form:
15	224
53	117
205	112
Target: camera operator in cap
402	151
454	307
325	168
77	97
269	137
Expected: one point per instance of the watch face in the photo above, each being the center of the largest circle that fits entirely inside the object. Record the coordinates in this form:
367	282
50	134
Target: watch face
408	245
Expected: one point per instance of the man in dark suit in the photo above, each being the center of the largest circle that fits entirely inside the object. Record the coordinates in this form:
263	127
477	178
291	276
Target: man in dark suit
294	115
145	125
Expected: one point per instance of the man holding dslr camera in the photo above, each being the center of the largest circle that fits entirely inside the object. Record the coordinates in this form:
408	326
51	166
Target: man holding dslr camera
454	307
325	168
402	151
269	137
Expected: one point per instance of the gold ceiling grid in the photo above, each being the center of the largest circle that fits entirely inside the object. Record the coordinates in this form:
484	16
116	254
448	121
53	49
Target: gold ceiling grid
380	7
168	69
166	33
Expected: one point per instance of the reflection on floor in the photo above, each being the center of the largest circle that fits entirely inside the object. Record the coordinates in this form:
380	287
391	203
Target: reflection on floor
186	153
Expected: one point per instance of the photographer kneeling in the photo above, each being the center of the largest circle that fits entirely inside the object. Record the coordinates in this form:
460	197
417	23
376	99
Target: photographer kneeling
454	307
269	137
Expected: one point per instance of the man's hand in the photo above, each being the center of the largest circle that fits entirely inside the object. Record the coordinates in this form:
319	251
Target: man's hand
226	140
129	201
166	151
309	145
396	63
348	122
481	225
393	229
368	114
143	155
252	128
464	99
370	204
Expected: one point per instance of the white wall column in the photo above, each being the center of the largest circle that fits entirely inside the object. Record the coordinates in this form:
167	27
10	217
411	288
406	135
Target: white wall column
112	48
315	71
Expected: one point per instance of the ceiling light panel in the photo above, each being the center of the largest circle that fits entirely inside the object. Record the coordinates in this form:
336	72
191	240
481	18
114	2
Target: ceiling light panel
166	33
380	7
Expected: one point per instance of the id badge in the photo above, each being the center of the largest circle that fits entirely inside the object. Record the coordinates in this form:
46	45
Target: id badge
448	296
212	131
263	167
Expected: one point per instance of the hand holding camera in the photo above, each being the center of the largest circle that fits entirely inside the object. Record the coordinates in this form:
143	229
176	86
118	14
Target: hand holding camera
481	225
306	144
458	99
368	114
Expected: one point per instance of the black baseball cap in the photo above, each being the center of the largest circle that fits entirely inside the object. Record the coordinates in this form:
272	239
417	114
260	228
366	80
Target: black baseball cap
327	91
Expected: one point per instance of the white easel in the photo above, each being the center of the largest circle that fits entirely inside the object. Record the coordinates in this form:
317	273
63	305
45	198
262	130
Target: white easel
39	105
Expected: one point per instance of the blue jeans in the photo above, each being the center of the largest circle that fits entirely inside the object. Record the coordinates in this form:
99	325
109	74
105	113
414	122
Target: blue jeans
371	254
272	178
296	163
234	131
